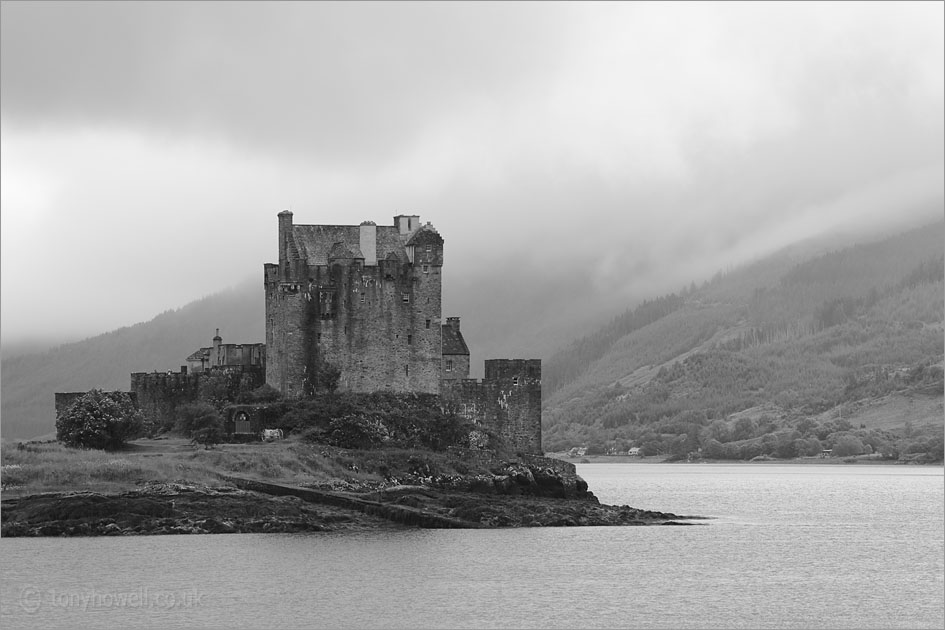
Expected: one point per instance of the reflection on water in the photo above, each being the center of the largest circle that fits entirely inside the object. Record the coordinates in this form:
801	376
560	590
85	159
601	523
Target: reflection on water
789	546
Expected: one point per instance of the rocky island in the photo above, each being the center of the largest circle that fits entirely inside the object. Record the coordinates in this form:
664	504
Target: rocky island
293	486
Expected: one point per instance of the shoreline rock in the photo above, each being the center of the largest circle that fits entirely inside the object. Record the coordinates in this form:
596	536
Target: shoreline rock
528	491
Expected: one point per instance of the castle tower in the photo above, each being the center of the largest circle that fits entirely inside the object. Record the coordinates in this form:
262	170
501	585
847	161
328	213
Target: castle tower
365	299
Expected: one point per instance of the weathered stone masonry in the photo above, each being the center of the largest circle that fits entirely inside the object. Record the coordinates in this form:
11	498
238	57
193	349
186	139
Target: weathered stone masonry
507	401
365	299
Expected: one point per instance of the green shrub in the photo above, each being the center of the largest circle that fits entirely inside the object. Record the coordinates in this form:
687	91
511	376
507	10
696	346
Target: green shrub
102	420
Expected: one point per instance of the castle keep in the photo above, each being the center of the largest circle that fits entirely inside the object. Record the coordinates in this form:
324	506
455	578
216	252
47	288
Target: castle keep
365	299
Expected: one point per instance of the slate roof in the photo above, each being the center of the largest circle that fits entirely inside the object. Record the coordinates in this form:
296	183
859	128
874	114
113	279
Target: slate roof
316	243
202	353
453	342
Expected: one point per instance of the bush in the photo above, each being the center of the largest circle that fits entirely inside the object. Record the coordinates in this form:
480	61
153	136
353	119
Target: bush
357	431
202	423
103	420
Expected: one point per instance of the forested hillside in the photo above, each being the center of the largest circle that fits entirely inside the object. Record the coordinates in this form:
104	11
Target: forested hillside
106	361
758	360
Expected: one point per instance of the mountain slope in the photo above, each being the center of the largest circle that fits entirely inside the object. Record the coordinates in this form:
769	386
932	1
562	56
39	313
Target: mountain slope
798	339
106	361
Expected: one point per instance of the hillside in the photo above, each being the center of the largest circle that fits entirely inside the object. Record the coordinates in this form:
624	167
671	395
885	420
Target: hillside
106	361
781	342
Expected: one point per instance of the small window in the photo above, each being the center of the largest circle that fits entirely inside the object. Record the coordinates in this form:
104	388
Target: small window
409	340
362	298
449	365
515	381
405	297
319	336
407	370
426	269
428	323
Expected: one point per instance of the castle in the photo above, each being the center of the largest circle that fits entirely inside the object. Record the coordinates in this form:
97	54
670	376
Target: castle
367	299
364	303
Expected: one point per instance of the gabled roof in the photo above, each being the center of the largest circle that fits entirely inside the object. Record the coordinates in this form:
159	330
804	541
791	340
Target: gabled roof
423	235
453	342
317	243
340	250
199	355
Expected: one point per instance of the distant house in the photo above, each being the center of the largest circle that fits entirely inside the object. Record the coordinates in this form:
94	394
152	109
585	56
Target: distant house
634	452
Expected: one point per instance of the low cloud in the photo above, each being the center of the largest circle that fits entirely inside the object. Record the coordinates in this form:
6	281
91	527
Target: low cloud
147	147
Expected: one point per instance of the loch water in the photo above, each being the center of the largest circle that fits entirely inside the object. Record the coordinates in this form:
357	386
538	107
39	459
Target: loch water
788	546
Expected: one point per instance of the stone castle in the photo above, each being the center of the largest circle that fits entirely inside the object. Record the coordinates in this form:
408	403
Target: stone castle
363	301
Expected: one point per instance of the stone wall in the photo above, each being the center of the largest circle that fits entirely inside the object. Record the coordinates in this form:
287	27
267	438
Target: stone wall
161	394
507	401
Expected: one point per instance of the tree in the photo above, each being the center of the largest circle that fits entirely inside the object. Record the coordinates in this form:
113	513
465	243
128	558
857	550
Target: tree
104	420
202	423
847	445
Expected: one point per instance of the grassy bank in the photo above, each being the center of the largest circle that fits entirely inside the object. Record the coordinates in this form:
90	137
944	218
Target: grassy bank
34	467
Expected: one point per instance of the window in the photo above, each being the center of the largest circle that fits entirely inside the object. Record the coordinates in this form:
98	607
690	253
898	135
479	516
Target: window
409	340
405	297
426	269
428	323
449	365
362	298
406	370
515	381
319	336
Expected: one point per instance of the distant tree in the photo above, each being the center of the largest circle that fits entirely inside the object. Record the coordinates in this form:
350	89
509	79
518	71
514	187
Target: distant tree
808	447
713	449
847	445
103	420
744	429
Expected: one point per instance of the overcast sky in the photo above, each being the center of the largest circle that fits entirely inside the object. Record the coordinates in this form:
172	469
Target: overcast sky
147	148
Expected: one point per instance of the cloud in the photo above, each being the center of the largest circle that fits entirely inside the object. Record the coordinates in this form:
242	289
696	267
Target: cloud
148	146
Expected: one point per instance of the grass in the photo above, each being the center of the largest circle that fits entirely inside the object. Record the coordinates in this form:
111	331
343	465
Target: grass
35	467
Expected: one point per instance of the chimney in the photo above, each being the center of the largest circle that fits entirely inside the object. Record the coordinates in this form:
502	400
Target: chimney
285	233
406	223
217	340
369	243
453	322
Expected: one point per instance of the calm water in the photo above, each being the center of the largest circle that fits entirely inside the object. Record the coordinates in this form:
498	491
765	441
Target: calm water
790	546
